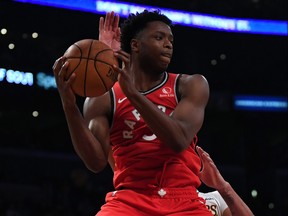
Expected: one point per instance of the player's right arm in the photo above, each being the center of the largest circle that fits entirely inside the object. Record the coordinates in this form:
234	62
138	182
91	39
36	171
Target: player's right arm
97	114
89	136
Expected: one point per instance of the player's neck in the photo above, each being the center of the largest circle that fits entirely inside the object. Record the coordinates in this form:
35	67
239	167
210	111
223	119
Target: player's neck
147	81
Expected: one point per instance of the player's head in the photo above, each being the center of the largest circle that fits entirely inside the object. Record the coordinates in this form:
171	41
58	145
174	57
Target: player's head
148	37
135	23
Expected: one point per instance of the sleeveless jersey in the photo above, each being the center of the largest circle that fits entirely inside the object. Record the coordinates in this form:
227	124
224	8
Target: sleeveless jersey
214	202
141	160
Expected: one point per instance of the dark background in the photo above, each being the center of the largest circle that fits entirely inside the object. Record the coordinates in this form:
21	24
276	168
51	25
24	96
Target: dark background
40	174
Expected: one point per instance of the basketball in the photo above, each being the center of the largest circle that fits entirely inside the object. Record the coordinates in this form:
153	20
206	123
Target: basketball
91	60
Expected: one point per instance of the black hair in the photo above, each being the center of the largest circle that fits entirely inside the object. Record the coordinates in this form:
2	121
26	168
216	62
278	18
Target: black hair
137	22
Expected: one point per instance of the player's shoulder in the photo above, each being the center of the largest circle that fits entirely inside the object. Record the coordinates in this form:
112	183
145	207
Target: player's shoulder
193	83
192	78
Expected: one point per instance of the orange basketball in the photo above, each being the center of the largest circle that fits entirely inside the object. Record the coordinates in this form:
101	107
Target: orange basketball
91	60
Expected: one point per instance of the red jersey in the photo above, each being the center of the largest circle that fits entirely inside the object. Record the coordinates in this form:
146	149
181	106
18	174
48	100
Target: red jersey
141	160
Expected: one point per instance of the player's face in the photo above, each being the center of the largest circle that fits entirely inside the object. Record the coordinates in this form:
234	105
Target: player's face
156	45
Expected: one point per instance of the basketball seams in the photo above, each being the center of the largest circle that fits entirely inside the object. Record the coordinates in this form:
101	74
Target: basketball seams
97	60
68	58
93	59
86	69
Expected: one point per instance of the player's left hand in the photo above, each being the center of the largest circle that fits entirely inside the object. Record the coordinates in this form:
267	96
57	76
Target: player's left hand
109	30
125	76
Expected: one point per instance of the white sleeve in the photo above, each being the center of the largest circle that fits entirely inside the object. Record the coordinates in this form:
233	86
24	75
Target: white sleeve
222	204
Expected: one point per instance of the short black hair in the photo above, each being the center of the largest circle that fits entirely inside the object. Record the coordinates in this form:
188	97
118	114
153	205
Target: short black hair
137	22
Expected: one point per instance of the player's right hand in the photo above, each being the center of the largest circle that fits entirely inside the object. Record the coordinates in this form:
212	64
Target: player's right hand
64	86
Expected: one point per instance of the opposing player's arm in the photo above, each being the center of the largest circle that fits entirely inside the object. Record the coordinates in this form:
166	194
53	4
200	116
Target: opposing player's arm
211	176
236	205
227	212
223	207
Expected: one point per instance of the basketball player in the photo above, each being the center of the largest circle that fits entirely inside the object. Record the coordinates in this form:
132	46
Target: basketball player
214	201
150	119
224	201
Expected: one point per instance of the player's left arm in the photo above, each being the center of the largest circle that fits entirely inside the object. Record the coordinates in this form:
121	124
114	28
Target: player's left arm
177	130
189	114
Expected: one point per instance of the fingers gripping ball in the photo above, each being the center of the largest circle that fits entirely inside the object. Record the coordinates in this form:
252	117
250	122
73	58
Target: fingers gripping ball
91	61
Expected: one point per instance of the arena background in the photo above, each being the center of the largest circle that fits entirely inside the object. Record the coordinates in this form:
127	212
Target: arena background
40	174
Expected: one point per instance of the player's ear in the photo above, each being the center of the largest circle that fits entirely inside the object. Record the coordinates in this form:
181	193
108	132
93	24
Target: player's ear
134	45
